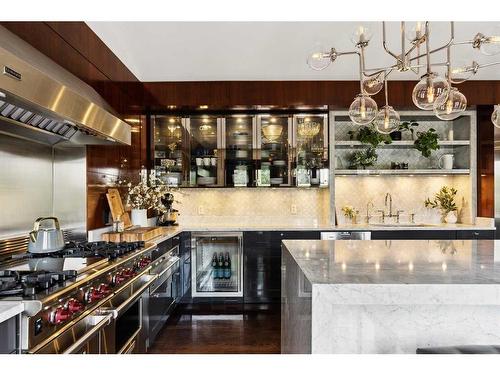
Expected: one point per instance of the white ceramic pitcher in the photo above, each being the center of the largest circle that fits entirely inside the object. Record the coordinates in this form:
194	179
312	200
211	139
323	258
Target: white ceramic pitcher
446	161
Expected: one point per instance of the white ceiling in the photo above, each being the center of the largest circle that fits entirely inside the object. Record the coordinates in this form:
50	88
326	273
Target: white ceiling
217	51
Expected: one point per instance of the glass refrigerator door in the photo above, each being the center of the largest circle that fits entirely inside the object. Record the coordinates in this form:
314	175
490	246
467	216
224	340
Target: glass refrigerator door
239	145
170	157
217	265
206	164
273	142
311	149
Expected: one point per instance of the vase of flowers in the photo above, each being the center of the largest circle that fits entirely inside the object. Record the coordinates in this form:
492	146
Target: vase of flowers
350	213
145	195
444	200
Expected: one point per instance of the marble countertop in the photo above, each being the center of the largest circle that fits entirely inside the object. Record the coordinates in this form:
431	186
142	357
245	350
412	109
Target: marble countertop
8	309
398	262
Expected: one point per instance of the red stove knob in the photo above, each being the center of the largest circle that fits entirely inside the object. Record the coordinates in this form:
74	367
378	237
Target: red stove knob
128	273
59	315
92	295
144	262
104	289
73	306
118	278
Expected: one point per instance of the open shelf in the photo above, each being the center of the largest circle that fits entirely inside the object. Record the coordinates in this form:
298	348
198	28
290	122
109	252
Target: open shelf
399	172
400	144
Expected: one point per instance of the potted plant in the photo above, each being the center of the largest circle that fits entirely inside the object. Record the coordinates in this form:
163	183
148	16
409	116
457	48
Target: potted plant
363	158
405	126
427	142
444	200
370	136
350	213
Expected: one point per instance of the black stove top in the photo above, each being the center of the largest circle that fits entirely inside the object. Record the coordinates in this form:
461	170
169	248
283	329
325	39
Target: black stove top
100	249
28	283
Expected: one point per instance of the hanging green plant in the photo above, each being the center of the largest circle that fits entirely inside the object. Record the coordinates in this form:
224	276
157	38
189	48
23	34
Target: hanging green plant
370	136
427	142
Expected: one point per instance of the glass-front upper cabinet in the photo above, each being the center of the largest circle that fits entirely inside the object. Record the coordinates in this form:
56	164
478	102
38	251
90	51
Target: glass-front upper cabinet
170	151
205	142
273	150
310	145
239	148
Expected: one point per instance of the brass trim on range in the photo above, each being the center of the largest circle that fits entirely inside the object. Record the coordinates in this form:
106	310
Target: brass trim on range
40	101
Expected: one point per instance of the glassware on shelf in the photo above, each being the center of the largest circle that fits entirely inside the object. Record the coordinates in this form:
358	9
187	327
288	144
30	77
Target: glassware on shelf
203	131
311	148
169	155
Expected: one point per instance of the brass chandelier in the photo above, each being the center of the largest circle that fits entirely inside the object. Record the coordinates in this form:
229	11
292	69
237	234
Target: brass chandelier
432	93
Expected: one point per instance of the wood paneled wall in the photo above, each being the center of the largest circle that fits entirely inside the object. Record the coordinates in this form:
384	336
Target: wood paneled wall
485	162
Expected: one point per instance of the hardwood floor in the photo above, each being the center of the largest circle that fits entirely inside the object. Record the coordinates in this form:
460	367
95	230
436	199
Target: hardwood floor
209	332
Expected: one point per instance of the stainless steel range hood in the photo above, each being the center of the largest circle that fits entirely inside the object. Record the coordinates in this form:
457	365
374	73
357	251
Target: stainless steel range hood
37	105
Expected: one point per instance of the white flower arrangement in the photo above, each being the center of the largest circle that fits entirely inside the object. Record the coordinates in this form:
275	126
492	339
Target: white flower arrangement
147	194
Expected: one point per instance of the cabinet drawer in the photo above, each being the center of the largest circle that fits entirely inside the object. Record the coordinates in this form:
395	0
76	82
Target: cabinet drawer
475	234
414	235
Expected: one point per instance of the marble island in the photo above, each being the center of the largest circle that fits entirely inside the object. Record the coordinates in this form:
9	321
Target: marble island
389	296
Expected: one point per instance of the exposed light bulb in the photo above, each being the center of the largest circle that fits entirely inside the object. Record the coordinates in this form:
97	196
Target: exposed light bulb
428	89
387	120
318	59
361	36
363	110
450	104
489	43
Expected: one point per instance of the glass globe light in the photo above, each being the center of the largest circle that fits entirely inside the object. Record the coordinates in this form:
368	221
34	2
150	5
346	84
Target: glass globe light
318	59
491	45
373	85
363	110
495	116
416	32
387	120
428	89
362	35
462	71
450	105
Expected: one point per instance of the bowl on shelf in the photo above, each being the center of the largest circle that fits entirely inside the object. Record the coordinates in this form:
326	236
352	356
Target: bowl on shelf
206	180
277	181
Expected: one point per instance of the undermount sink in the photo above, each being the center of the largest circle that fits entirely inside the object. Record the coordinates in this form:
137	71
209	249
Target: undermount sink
406	225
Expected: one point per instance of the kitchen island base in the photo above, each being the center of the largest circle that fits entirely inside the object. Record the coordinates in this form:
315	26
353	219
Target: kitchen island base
329	305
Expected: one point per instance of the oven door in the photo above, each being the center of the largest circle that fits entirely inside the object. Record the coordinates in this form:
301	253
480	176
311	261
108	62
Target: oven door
84	337
162	298
123	335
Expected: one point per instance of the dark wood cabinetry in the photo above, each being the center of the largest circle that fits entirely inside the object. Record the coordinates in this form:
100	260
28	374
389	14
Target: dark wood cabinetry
433	235
185	265
262	263
475	234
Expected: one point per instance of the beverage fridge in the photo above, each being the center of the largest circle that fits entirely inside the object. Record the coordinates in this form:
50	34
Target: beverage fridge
217	264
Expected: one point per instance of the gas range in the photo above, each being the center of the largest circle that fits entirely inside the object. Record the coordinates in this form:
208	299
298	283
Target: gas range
60	289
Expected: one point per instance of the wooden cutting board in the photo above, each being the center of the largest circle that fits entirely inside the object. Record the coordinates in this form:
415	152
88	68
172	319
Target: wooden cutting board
116	206
135	234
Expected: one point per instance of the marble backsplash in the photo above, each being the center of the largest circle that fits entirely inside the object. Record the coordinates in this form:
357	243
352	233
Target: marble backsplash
408	194
265	206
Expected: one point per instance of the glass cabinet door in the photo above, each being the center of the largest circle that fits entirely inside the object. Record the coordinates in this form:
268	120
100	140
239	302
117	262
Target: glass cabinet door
273	143
310	146
205	161
239	146
217	265
170	154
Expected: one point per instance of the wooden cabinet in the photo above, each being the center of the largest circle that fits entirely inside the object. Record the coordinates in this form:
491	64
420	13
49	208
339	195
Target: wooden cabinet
475	234
262	263
414	235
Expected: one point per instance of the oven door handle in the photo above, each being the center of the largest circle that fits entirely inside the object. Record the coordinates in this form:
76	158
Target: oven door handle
87	336
134	297
168	268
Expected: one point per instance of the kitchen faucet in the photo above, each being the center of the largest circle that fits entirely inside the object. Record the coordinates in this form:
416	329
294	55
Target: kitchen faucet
388	200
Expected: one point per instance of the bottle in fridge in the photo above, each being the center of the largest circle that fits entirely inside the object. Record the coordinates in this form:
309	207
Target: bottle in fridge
217	264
